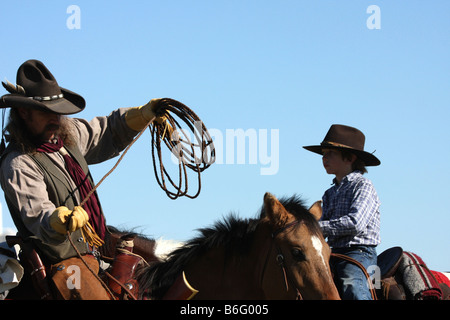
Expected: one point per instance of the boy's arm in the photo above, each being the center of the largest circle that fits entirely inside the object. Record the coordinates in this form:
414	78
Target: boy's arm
363	206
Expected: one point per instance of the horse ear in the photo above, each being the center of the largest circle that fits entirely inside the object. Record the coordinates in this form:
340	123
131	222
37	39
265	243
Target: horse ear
274	210
316	209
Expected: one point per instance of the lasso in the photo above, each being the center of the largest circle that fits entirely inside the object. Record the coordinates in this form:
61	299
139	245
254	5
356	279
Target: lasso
196	154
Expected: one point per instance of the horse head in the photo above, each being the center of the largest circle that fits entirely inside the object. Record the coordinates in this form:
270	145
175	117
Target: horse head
300	256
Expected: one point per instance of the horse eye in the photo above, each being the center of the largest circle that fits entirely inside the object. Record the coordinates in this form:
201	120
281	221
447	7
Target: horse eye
298	254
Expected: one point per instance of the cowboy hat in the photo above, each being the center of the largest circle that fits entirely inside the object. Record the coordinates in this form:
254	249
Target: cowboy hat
37	89
346	138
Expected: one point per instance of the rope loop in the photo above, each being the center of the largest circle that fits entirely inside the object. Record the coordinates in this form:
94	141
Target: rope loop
192	149
196	154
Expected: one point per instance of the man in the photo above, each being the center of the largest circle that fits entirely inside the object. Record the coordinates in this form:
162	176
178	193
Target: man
44	170
351	217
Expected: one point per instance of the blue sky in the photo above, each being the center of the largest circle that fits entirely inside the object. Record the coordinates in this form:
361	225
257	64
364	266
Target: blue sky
291	67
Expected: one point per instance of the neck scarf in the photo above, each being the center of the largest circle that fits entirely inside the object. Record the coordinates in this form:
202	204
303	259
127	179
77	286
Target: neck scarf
92	205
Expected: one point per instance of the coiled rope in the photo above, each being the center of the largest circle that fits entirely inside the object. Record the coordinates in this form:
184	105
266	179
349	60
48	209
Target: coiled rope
196	153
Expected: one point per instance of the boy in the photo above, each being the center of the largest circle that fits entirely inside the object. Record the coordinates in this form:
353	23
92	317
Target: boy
351	217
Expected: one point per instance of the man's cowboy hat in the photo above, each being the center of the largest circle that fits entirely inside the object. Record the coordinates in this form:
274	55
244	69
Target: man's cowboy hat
346	138
37	89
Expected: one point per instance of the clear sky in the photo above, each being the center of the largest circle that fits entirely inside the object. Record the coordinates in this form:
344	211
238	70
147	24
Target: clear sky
279	71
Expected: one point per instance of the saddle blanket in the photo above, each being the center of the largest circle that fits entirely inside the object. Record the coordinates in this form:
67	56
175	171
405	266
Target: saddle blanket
441	277
419	282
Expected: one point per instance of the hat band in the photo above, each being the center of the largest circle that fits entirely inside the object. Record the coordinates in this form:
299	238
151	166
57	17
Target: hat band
334	144
48	98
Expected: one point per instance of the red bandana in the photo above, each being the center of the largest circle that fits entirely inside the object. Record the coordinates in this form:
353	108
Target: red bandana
92	205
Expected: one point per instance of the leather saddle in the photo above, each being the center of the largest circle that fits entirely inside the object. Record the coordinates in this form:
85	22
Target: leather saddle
388	261
392	287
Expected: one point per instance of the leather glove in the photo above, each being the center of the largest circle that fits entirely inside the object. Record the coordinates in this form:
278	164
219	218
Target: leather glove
138	117
64	219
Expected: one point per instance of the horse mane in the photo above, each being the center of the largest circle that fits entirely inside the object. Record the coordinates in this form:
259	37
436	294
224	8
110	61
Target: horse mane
133	232
232	233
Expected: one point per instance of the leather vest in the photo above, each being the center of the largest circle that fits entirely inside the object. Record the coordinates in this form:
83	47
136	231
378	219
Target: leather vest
60	193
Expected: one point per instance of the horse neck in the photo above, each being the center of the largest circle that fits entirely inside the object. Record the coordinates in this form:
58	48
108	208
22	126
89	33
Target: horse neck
234	276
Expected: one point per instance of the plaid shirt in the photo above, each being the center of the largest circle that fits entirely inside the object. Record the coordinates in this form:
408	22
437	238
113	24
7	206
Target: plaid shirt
351	213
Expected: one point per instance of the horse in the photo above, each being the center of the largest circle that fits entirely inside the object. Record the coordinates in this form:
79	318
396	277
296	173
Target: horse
279	255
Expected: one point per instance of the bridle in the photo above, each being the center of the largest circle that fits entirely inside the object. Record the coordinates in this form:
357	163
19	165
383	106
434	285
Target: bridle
288	276
280	258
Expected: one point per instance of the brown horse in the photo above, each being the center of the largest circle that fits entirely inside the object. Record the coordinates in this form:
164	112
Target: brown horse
280	255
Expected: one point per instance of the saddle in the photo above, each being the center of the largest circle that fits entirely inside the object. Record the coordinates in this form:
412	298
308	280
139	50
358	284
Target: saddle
404	276
388	262
121	278
73	278
51	282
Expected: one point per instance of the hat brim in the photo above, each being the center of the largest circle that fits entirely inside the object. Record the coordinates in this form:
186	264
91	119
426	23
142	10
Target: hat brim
71	103
369	159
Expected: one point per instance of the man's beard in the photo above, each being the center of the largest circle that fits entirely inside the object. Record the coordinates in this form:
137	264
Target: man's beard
18	132
50	127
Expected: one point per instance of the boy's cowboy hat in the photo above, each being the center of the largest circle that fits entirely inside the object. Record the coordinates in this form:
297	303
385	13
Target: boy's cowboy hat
346	138
37	89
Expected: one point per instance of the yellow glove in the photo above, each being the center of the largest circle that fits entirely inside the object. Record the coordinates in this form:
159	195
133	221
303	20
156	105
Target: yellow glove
137	118
64	219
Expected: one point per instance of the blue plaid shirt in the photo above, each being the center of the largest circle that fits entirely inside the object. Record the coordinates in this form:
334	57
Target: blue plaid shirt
351	213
